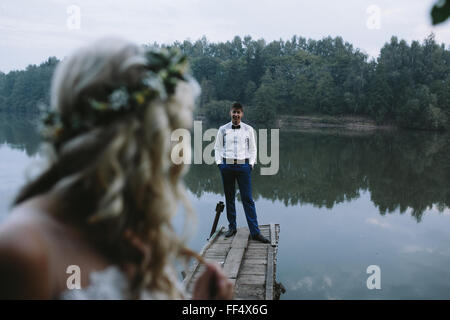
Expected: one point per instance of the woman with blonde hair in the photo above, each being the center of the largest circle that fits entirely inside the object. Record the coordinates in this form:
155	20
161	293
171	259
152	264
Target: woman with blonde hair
104	204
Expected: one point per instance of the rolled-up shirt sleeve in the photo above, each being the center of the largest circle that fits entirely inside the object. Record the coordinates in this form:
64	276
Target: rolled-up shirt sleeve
218	147
252	147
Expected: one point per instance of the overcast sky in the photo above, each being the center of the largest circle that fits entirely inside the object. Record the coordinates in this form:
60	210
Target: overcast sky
33	30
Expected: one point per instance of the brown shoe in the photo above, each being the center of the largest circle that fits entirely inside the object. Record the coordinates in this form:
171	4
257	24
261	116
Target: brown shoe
230	233
259	237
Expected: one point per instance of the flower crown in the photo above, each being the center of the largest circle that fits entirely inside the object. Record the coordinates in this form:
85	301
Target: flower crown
163	70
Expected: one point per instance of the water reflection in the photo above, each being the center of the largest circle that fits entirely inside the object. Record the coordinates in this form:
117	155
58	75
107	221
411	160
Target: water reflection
19	131
401	170
324	253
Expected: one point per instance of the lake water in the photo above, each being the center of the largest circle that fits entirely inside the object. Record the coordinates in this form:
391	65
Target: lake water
344	201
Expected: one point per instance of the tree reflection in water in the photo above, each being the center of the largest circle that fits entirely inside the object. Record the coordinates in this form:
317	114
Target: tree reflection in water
400	169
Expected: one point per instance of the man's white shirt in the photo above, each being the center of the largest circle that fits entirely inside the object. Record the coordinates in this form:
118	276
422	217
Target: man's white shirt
237	144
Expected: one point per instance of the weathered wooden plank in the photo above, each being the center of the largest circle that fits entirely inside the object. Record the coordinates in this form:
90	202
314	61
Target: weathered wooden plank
255	254
217	252
233	262
227	242
259	251
258	247
255	257
256	261
273	241
262	251
252	279
224	248
215	258
249	289
220	246
269	274
249	264
194	267
241	238
248	268
255	243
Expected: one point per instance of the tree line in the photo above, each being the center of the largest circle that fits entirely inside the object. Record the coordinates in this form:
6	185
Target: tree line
407	85
22	91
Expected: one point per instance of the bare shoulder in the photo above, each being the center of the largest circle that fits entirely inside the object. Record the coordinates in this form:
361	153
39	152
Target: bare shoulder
24	258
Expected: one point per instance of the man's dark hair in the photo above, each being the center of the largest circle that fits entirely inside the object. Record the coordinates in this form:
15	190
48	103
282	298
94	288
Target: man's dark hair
237	105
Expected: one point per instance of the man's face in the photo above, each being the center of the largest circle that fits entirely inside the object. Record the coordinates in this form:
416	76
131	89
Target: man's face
236	115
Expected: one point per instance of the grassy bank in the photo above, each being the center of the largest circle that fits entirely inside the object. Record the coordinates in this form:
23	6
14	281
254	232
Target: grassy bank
290	122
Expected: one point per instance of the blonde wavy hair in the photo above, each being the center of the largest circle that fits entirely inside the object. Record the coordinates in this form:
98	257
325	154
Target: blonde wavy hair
120	176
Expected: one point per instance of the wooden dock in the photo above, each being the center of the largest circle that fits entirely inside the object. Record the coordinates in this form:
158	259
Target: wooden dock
249	264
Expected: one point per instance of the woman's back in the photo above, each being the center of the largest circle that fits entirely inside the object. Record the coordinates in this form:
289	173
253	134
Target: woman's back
38	248
104	205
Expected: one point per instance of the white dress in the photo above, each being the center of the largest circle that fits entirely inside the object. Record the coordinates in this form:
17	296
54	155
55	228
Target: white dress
111	284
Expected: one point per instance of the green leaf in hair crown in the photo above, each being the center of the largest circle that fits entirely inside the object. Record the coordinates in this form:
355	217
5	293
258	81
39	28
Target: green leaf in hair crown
165	68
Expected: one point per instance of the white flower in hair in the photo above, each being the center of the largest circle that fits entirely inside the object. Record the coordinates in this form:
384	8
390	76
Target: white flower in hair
118	98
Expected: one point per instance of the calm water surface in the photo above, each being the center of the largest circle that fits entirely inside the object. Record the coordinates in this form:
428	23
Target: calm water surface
344	201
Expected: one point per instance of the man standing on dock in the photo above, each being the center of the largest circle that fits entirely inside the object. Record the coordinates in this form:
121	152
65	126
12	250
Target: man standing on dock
235	155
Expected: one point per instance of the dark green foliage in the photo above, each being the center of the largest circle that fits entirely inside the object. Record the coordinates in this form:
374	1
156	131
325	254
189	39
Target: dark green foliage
410	85
407	85
440	11
22	91
218	111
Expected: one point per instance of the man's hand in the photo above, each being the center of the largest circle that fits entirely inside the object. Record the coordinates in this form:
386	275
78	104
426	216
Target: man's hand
213	284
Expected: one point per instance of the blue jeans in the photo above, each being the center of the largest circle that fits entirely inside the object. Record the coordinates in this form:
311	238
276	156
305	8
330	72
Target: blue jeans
240	172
